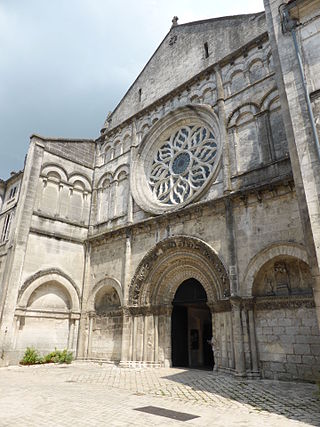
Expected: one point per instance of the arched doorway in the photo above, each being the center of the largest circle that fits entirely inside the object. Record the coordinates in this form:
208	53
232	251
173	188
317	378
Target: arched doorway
191	327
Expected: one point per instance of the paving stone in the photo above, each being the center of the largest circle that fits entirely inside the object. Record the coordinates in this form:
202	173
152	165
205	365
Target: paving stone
89	394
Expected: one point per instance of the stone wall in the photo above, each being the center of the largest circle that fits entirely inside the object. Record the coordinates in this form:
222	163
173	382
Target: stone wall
106	337
288	343
181	56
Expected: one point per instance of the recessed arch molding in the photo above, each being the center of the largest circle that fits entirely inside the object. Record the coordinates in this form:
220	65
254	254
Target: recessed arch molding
271	251
48	275
172	261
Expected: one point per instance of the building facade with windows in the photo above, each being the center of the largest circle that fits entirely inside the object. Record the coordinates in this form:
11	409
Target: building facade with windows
192	223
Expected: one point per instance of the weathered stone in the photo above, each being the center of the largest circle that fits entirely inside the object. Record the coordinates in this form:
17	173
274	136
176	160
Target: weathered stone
189	189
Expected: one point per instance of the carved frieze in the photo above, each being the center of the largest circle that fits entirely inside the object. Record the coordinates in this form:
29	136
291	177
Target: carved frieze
280	302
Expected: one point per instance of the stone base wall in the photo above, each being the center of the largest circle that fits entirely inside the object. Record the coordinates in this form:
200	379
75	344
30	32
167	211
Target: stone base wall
107	337
288	343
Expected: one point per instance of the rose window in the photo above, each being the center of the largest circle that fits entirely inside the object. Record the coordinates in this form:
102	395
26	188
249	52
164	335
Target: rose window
182	165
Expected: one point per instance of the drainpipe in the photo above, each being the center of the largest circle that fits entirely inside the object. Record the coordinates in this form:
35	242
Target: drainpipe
289	24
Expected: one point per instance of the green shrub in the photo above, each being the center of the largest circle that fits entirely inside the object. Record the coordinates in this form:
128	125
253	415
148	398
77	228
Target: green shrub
31	357
51	357
64	356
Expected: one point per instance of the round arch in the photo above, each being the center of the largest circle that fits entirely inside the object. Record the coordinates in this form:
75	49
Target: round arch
30	286
272	251
172	261
107	283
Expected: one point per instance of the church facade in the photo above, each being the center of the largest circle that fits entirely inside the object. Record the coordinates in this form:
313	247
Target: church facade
188	233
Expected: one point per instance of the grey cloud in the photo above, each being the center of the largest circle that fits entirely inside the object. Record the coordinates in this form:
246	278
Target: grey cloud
66	63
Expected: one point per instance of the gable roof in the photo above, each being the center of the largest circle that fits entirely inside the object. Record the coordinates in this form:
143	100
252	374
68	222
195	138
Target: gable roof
181	55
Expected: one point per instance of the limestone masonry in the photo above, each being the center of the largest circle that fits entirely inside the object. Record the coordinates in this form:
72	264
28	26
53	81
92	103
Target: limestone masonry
188	233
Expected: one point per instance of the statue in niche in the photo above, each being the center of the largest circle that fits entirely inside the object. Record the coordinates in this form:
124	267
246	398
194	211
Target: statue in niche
282	278
269	285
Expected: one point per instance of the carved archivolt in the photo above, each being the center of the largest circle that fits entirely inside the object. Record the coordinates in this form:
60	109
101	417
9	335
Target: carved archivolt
172	261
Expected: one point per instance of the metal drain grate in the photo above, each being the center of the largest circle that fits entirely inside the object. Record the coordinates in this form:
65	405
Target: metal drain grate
162	412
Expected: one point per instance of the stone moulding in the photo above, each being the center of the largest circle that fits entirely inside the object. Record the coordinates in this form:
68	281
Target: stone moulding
40	278
48	272
290	302
178	258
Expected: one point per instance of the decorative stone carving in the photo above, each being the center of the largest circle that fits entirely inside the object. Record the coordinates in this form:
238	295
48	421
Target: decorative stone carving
183	164
283	276
188	255
177	159
276	303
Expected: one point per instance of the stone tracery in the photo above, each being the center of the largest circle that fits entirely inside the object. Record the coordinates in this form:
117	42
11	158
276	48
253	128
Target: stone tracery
177	159
183	164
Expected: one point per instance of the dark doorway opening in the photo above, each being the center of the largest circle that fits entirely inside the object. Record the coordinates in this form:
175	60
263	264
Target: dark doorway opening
191	327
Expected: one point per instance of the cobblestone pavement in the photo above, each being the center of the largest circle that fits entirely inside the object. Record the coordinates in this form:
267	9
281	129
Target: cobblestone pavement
89	394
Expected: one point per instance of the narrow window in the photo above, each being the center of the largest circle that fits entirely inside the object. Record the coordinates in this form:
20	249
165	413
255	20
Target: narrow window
206	50
140	93
12	192
6	227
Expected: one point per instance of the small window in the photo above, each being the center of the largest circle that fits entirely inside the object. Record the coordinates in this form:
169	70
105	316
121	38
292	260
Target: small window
140	94
206	50
12	192
6	227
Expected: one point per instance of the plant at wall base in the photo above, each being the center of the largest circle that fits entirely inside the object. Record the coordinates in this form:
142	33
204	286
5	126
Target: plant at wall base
31	357
51	357
64	356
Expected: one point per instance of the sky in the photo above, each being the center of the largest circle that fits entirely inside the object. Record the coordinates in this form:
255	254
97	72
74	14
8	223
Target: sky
64	64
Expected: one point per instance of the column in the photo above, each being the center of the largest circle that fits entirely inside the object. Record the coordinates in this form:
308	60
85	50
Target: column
216	338
156	338
134	339
89	348
167	337
253	341
71	334
82	348
127	335
238	336
126	324
145	338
